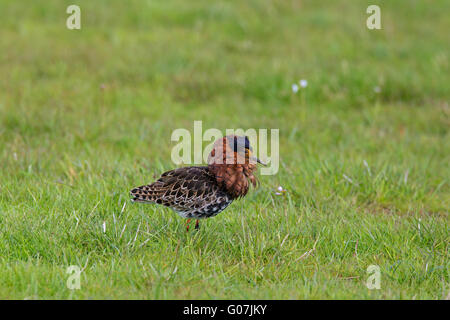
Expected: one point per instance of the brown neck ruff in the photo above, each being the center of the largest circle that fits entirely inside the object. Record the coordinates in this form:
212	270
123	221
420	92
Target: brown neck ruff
233	171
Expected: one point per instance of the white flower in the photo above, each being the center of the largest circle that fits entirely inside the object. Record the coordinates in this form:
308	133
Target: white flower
294	88
377	89
104	226
280	191
303	83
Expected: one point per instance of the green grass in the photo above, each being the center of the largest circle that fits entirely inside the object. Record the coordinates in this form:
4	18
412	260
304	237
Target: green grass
87	115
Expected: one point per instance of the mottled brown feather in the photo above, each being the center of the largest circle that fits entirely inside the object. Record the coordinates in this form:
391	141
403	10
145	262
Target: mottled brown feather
231	170
190	191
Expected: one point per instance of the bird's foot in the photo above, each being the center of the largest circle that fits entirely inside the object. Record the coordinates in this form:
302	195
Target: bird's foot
187	224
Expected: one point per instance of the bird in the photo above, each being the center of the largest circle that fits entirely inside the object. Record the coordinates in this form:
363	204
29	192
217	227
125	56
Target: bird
200	192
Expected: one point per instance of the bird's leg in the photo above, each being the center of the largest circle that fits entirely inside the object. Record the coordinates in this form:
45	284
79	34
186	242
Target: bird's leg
197	225
187	224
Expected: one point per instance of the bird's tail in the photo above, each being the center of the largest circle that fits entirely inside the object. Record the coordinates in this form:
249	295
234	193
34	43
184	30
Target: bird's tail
149	193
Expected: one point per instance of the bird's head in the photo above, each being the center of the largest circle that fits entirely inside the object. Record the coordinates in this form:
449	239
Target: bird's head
233	150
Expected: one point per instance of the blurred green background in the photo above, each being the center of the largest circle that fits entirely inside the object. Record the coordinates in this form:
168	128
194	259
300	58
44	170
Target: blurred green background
87	114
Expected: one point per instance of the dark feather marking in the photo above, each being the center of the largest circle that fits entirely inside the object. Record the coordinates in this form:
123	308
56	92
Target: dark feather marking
191	191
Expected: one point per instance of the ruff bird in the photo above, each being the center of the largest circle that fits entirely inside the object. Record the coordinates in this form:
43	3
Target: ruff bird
204	191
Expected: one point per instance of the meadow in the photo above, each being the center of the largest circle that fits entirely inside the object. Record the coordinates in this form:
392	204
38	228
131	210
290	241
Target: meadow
86	115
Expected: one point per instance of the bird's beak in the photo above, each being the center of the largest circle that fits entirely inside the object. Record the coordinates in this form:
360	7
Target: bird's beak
252	158
260	162
255	159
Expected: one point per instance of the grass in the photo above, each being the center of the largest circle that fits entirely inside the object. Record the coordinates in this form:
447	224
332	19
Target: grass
85	115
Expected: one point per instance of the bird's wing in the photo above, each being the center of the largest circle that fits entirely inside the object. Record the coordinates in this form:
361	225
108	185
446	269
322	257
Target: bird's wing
183	189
